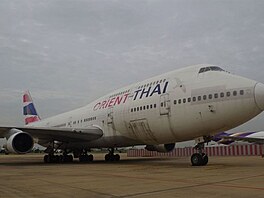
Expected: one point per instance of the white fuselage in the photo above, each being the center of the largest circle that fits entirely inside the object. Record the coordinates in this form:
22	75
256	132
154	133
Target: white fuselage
177	106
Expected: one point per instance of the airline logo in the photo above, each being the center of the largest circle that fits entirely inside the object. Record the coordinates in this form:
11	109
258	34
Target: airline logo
29	110
148	92
111	102
138	95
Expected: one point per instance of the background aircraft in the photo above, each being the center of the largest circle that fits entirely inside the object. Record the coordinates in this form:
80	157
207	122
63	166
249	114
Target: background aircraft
256	137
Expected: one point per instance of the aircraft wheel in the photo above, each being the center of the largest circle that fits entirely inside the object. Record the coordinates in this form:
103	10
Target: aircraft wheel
107	157
60	158
86	158
204	159
70	158
67	158
196	159
90	158
116	157
81	158
56	159
46	159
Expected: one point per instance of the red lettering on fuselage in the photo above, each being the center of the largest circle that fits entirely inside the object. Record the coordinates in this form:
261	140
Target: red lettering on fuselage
111	102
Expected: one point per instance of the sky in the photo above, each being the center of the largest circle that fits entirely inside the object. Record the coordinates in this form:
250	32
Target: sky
70	52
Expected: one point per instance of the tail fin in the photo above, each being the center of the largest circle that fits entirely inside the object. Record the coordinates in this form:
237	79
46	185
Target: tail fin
29	109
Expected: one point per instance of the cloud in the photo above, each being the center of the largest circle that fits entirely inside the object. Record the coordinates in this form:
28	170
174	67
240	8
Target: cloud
69	53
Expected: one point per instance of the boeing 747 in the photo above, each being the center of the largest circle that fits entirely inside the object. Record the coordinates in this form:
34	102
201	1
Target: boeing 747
193	103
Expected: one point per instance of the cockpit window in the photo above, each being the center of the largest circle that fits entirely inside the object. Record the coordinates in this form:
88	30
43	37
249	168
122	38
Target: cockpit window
211	68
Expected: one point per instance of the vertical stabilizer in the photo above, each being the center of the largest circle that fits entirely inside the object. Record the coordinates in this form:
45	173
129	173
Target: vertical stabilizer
29	109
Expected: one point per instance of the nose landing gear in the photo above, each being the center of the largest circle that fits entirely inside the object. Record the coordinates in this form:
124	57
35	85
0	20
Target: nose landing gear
199	158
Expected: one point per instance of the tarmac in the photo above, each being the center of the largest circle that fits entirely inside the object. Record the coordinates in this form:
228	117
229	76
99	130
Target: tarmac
27	176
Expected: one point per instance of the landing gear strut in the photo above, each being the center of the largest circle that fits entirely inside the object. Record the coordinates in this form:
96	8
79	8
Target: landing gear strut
110	157
200	158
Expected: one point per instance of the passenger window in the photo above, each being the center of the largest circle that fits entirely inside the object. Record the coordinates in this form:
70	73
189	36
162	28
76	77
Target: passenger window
131	110
175	102
179	101
199	98
144	107
151	106
222	95
161	104
140	108
228	94
210	96
205	97
137	108
241	92
155	105
216	95
148	106
235	93
189	99
194	99
184	100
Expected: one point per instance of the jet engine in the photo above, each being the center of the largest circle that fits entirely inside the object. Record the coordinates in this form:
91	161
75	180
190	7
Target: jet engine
161	148
19	142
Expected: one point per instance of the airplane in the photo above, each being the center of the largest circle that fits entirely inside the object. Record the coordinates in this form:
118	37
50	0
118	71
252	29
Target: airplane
256	137
192	103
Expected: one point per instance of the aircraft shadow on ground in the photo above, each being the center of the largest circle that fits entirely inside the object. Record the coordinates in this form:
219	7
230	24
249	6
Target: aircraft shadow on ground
148	161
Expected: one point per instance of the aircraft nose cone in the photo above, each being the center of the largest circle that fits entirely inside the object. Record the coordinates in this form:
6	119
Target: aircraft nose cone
259	95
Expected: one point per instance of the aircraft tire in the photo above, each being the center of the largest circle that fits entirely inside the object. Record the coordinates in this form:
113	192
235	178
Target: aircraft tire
67	158
196	159
204	160
107	157
116	157
90	158
86	158
46	159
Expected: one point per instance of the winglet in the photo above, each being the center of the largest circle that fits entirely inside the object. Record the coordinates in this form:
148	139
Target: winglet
29	109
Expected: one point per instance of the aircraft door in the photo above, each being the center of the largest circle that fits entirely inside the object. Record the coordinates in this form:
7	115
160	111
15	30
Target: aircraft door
165	104
141	130
110	116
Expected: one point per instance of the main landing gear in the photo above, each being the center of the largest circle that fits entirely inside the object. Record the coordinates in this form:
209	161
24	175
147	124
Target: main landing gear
200	158
52	158
84	157
111	157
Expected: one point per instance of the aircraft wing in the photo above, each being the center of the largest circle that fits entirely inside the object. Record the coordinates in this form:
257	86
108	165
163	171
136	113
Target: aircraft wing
58	134
251	137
